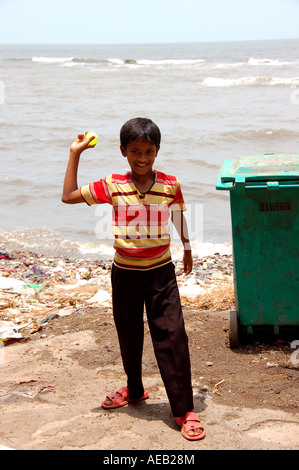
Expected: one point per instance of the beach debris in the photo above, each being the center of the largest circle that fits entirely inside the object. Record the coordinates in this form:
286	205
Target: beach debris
202	396
9	283
44	322
271	364
35	288
210	285
202	392
191	287
10	331
28	388
216	387
101	296
5	255
49	318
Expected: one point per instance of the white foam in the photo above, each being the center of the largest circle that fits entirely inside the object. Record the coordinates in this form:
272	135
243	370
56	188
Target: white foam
52	60
229	65
156	62
202	249
172	62
226	82
249	81
47	242
269	62
95	248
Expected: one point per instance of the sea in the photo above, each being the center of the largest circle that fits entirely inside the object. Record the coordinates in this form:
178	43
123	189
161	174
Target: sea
212	102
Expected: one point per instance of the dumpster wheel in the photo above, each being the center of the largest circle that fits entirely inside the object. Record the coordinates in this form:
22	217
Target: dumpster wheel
233	329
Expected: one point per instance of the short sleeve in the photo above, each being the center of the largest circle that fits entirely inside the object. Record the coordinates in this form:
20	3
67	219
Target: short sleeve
178	203
96	193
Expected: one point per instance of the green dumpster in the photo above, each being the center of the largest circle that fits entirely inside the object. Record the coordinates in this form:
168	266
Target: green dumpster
264	203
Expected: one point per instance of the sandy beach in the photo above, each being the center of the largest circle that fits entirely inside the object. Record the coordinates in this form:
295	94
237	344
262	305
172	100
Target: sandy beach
59	358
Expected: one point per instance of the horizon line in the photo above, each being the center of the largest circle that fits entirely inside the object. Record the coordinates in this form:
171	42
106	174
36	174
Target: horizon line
145	43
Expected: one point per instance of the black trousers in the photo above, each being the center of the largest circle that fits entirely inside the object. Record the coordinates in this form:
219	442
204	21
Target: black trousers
157	290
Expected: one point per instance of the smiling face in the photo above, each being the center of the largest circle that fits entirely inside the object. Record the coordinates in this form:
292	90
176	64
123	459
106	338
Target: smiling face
141	157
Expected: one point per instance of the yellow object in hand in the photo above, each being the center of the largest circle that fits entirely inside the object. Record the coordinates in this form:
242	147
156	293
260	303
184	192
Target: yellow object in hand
90	134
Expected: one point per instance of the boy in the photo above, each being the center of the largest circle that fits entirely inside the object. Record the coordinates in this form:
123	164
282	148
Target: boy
142	271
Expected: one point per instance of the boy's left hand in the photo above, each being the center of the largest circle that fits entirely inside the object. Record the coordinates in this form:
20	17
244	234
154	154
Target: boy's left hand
188	262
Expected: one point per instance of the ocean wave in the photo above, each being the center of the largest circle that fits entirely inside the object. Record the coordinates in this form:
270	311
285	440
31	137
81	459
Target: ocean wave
252	61
200	162
9	180
250	81
68	60
256	134
166	62
52	60
156	62
229	65
269	62
47	242
118	62
175	62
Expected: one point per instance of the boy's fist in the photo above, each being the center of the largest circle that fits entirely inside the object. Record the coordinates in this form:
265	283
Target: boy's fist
81	143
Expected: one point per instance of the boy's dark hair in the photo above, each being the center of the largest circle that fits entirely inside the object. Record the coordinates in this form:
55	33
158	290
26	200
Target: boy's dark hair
142	129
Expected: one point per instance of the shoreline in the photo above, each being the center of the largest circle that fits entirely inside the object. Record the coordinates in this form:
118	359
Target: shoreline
46	242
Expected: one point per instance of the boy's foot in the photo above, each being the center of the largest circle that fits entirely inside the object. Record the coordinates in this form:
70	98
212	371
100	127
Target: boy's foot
121	398
191	426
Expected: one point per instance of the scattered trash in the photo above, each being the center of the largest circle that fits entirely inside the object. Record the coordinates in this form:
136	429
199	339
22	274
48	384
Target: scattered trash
9	331
270	364
49	318
191	287
101	296
202	393
210	285
29	388
5	256
202	396
35	288
11	284
217	385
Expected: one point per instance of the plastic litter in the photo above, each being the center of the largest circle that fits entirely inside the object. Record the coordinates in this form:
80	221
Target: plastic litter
33	286
12	284
10	331
101	296
49	318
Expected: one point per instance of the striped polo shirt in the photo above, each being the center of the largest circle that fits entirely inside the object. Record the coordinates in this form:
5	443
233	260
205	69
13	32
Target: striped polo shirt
140	220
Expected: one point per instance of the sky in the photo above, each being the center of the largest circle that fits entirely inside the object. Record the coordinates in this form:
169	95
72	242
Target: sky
146	22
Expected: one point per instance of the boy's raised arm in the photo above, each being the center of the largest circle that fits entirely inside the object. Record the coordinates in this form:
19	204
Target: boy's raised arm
71	194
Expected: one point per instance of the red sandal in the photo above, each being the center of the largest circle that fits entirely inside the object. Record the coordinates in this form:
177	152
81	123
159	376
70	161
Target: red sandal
122	398
186	426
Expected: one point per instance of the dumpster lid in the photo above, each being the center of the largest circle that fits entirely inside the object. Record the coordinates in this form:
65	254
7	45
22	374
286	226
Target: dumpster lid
267	167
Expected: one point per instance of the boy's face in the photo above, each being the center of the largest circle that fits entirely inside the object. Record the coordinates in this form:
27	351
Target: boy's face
140	155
